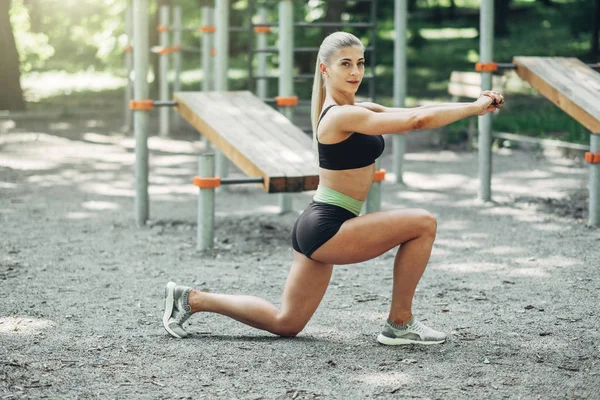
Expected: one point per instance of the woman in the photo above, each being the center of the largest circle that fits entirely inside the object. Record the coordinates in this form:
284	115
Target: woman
330	231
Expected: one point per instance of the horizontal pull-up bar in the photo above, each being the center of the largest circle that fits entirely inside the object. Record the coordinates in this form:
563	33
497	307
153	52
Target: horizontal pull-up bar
494	66
296	50
322	24
145	105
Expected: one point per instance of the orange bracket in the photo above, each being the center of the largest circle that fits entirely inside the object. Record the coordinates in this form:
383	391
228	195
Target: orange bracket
486	67
141	105
207	29
162	28
289	101
213	52
592	158
207	183
128	49
379	175
175	49
262	29
165	50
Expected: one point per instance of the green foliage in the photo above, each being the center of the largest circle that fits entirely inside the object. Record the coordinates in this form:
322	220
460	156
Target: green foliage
71	36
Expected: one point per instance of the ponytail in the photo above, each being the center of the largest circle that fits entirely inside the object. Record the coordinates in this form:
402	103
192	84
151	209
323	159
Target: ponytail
317	100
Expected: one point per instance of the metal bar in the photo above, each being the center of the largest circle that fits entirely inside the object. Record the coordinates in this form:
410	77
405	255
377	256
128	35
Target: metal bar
262	87
206	204
166	103
286	73
140	118
251	46
486	43
207	45
311	76
239	181
372	83
324	24
177	21
129	66
238	29
222	65
164	71
400	83
373	202
335	24
177	17
594	185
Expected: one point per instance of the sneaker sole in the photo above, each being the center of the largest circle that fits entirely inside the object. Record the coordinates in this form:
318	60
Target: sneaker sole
397	342
169	309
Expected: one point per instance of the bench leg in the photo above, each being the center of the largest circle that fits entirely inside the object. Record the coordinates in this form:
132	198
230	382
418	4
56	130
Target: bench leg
594	200
285	203
206	204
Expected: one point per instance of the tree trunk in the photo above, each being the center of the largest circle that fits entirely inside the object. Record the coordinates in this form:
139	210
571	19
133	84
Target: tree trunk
11	95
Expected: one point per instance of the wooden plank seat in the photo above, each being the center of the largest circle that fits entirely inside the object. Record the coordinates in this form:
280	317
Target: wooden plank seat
260	141
567	82
575	88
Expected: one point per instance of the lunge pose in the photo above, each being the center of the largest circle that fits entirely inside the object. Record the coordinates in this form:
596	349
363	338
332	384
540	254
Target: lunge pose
330	231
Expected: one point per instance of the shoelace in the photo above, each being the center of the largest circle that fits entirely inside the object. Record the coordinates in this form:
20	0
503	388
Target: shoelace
183	313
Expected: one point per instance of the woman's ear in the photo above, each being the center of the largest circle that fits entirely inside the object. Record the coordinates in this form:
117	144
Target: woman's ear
323	69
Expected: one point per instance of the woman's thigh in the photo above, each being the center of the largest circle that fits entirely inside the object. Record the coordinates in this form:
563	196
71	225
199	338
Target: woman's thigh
368	236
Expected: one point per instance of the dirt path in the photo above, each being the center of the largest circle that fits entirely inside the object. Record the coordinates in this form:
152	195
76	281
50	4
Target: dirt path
515	284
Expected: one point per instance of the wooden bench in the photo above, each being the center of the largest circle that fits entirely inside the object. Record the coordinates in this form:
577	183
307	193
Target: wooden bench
260	141
575	88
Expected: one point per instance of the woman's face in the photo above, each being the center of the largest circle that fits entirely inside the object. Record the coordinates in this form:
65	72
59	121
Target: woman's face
346	69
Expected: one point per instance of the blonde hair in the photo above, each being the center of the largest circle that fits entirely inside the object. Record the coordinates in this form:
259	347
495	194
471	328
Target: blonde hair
330	45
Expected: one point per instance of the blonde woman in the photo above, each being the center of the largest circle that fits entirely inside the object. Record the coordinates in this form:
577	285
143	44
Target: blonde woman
330	231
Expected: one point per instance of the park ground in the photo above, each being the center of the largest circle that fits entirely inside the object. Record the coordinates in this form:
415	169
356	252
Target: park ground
515	282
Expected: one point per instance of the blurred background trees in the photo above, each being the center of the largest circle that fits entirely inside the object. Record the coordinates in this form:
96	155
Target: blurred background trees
73	36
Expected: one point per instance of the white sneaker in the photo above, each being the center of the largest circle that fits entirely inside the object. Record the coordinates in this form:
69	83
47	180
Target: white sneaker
414	332
177	309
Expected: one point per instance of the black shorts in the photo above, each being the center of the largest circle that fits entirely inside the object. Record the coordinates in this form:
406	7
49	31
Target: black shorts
317	224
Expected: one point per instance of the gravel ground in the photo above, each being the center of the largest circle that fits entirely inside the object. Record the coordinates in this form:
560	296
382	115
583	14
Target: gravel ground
515	282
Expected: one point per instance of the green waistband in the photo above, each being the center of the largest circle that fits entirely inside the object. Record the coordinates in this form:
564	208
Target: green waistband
330	196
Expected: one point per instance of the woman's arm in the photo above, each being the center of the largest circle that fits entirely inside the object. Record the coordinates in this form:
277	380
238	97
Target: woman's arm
363	120
378	108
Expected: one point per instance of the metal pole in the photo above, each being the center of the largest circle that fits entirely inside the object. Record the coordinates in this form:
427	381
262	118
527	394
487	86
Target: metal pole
164	71
222	65
207	46
262	85
129	65
373	40
286	73
486	45
140	63
206	204
594	200
177	27
400	51
374	196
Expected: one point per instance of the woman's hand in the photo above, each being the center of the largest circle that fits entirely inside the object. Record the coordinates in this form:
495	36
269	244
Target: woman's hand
489	101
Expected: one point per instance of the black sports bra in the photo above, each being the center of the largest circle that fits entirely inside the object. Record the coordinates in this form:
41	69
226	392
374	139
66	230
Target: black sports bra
356	151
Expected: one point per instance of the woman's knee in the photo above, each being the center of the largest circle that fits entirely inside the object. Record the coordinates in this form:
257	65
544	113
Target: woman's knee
429	223
288	327
425	223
